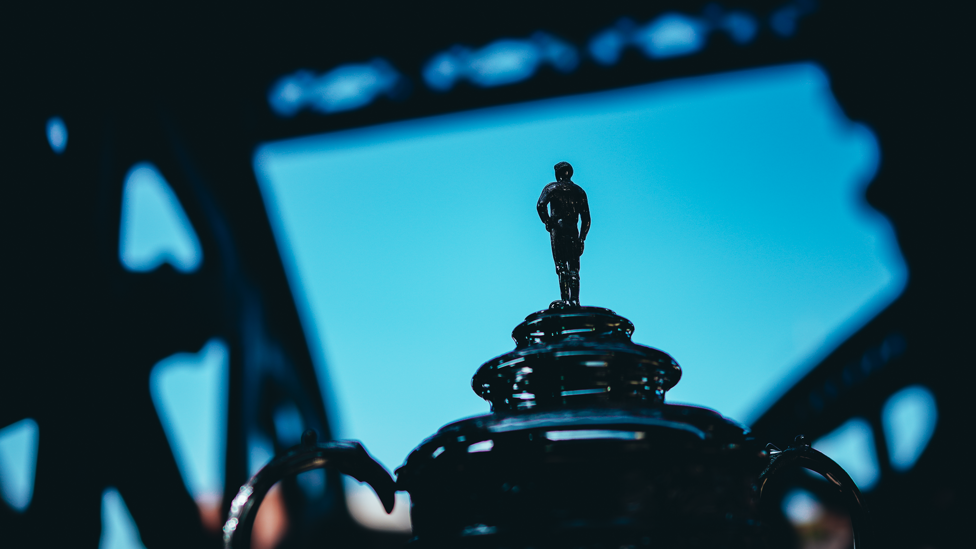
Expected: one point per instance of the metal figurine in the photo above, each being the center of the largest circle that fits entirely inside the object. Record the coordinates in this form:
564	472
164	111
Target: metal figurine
580	449
561	206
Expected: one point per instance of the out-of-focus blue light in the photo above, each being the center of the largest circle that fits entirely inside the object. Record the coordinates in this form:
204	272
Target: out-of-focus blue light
740	25
344	88
312	483
671	35
801	507
606	46
288	423
909	419
502	62
728	224
119	531
57	134
18	462
154	228
852	446
190	394
260	450
783	21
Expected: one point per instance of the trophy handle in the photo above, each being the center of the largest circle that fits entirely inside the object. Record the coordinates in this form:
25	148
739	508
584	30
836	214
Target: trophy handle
803	455
348	457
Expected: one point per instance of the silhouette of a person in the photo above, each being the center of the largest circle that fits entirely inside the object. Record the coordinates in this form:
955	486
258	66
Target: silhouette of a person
561	205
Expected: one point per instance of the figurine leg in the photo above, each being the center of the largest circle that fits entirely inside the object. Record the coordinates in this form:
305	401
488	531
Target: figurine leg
564	288
572	288
565	254
572	281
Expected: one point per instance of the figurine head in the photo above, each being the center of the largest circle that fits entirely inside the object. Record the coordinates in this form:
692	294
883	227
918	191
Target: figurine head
563	171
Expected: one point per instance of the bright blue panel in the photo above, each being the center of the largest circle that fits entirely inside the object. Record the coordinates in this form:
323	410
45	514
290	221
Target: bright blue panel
728	223
190	394
909	419
852	446
119	531
154	228
18	462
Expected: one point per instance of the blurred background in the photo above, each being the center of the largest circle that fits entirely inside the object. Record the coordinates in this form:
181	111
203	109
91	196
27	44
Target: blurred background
227	224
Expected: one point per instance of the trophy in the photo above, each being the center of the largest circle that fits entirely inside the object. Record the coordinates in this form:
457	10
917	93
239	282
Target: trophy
580	449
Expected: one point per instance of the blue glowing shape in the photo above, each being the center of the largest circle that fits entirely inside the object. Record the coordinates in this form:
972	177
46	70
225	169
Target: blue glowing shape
909	418
260	450
154	228
783	21
18	462
344	88
288	424
671	35
57	134
740	26
606	46
852	446
312	483
801	507
737	200
500	63
119	530
190	395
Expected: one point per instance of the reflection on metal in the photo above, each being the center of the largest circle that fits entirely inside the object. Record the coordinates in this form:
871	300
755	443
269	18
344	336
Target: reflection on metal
18	463
57	134
344	88
594	434
909	418
483	446
502	62
154	229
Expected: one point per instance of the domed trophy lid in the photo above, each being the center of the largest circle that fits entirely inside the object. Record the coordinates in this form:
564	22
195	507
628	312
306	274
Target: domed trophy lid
571	354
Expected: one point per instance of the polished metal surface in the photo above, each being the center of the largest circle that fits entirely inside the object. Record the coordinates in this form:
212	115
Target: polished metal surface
575	356
348	457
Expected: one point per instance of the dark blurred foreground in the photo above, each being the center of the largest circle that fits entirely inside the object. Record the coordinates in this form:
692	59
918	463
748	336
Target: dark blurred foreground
187	88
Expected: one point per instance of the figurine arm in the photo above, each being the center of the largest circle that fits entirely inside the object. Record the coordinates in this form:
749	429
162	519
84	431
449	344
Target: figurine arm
584	219
542	207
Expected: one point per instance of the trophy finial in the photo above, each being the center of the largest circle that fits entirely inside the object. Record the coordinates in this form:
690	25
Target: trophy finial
561	207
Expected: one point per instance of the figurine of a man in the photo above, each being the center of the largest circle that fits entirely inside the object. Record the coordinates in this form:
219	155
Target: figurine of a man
561	206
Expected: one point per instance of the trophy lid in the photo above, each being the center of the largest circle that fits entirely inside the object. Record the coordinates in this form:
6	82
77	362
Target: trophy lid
570	354
575	356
